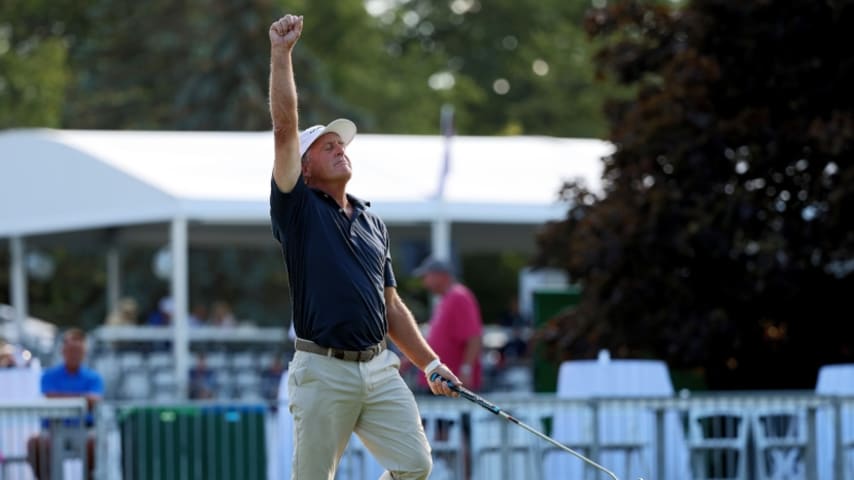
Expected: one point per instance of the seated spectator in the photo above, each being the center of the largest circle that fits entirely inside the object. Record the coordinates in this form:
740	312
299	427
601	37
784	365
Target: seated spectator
125	313
68	379
162	315
270	377
515	351
7	356
198	315
202	380
221	315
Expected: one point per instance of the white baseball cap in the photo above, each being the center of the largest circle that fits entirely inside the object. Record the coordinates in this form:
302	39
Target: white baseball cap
343	127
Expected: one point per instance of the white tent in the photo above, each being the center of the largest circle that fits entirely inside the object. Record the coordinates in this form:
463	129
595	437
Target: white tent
56	181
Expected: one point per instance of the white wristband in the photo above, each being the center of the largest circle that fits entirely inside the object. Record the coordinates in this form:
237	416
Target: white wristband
432	366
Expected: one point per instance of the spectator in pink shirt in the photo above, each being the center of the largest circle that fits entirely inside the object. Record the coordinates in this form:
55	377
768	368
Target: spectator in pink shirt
456	325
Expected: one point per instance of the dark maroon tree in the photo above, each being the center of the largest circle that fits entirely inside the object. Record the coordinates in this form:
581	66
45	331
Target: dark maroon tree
724	239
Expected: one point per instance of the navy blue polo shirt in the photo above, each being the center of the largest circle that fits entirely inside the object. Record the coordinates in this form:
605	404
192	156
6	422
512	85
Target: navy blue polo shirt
338	266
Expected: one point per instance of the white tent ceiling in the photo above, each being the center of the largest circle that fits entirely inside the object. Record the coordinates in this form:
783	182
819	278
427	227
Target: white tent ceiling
60	180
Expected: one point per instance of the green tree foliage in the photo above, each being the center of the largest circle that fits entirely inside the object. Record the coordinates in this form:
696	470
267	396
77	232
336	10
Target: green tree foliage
376	84
518	67
203	64
723	240
32	85
199	65
33	68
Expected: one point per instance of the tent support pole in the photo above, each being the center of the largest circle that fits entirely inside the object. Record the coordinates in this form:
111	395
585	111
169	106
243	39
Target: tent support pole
18	284
179	284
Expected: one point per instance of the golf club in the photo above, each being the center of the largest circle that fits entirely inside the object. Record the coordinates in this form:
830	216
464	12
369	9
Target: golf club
473	397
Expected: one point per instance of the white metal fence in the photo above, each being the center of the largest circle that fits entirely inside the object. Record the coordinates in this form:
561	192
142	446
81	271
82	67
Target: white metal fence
49	435
761	435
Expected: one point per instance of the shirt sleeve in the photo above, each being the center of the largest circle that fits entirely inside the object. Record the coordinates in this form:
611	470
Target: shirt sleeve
388	273
96	384
283	206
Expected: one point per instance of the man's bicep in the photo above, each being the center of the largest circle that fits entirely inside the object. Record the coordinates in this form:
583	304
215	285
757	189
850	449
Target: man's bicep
395	309
391	298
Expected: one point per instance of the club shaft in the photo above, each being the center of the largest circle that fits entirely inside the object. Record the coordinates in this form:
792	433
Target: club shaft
557	444
475	398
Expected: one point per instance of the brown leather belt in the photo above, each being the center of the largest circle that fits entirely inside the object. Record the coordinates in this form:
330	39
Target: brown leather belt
349	355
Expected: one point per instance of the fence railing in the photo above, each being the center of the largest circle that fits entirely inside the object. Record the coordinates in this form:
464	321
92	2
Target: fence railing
48	435
744	436
785	435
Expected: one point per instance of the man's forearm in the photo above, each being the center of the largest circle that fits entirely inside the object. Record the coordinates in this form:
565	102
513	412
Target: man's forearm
404	332
283	91
284	34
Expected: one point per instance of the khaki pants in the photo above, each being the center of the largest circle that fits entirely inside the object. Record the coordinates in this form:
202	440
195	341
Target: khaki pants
331	398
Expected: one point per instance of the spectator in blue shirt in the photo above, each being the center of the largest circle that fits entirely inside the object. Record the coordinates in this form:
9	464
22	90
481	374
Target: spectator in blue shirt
68	379
202	380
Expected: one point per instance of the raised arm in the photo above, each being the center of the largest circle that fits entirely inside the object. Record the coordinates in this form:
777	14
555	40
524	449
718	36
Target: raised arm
284	34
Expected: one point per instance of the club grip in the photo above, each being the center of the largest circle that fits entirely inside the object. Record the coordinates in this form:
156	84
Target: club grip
467	394
451	384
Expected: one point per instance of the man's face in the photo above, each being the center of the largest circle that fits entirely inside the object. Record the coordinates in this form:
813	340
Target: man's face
73	351
327	161
433	281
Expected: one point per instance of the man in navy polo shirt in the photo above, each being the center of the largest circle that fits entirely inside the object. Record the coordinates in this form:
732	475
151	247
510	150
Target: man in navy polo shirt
67	379
343	378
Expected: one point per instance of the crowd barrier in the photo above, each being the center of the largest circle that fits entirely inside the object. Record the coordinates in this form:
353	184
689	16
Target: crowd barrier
762	436
51	433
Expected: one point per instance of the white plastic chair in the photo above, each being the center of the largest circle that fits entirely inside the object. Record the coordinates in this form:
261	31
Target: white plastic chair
780	437
573	427
353	463
500	450
135	385
623	439
243	361
836	380
160	360
357	463
626	433
216	360
130	361
444	431
846	424
717	440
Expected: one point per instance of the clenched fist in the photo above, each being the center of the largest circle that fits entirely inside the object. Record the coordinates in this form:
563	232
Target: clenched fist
285	31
